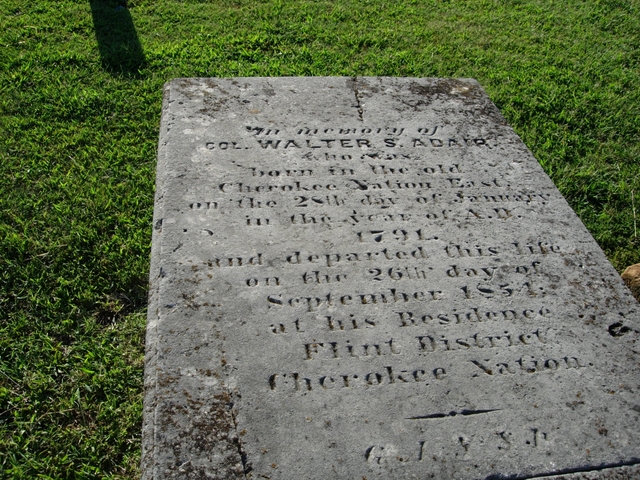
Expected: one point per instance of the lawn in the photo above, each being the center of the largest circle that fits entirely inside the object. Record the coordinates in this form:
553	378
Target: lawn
81	92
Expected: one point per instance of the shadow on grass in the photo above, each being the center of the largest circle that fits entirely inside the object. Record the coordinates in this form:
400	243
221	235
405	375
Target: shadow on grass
120	49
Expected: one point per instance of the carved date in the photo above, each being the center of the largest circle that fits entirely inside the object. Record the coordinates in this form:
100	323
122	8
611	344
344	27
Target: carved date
396	273
398	234
487	290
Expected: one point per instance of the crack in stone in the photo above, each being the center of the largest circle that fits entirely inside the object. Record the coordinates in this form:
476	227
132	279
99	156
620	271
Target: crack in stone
246	465
575	471
357	93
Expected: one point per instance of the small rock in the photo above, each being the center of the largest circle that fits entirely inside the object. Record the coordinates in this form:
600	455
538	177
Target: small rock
631	277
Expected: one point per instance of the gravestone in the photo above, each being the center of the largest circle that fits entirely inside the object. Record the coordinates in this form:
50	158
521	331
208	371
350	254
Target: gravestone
374	278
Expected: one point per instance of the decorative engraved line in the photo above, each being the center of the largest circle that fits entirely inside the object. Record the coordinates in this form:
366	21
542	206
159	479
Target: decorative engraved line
452	414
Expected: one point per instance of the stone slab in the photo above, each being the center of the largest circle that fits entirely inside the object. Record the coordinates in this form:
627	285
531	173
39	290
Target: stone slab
374	278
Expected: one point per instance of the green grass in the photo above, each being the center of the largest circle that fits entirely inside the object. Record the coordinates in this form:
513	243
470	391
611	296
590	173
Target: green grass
79	115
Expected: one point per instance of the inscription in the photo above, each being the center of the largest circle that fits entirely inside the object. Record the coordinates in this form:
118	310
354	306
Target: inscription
527	198
466	183
255	260
439	343
396	273
280	327
342	349
351	130
409	319
448	142
487	273
204	206
357	184
460	443
253	203
352	323
328	323
457	251
319	278
393	193
452	251
420	283
314	139
502	290
357	217
258	222
387	376
281	173
239	187
473	315
398	234
384	196
528	364
329	200
390	296
263	282
390	375
262	130
355	142
333	259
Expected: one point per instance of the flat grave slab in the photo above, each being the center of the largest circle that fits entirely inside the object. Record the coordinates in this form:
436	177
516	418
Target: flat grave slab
374	278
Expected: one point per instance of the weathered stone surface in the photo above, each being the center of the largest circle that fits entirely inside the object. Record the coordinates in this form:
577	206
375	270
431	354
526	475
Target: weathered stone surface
631	277
374	278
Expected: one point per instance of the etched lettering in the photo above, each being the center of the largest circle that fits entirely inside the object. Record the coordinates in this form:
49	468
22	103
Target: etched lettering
391	296
329	200
420	284
386	170
281	328
256	260
281	173
275	188
446	169
341	171
473	315
384	377
305	219
262	131
333	259
349	349
253	203
357	184
458	251
506	339
317	278
337	324
204	206
397	273
224	146
528	364
263	282
258	222
488	290
269	143
543	248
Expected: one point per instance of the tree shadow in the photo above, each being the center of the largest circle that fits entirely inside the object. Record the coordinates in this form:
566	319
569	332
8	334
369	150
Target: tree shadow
120	49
